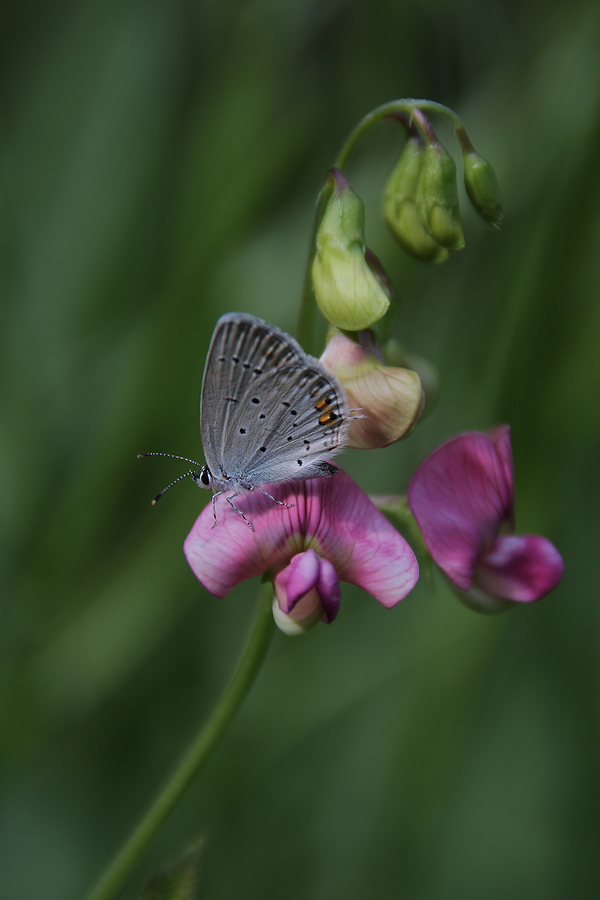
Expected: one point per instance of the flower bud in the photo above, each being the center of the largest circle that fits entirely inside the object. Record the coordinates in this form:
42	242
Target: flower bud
399	205
390	399
348	293
437	197
482	187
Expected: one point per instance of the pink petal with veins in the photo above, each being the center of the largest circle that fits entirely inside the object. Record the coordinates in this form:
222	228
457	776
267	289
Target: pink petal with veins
333	516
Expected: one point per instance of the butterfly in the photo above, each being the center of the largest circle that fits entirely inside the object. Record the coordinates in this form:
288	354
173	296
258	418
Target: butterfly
269	412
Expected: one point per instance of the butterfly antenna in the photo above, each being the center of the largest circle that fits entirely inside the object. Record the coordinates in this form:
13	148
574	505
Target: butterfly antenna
171	456
164	490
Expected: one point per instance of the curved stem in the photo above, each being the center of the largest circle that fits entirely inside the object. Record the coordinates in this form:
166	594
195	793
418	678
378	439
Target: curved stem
250	661
386	110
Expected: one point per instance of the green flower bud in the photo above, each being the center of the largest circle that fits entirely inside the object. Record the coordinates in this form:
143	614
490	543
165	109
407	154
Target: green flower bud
348	293
437	197
399	205
482	187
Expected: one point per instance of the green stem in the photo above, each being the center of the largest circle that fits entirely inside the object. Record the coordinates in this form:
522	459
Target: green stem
382	112
210	734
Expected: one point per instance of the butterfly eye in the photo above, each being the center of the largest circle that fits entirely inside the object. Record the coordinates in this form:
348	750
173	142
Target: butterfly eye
205	477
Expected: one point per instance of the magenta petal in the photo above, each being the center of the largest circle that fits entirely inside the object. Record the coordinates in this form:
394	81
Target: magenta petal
328	587
333	516
297	579
520	568
364	547
460	496
222	556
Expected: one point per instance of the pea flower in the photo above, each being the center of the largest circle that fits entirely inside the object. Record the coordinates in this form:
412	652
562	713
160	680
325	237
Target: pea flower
462	497
390	398
332	532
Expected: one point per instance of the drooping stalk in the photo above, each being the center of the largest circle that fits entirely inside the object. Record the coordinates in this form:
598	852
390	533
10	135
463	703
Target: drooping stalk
386	111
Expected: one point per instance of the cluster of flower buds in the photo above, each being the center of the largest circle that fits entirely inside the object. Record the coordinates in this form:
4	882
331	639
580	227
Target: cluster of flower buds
400	204
420	204
421	196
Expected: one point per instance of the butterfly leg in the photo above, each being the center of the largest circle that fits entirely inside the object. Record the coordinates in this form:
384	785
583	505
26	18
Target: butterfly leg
214	501
281	503
238	511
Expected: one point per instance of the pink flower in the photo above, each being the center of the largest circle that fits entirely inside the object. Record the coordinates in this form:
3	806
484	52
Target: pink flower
332	532
462	497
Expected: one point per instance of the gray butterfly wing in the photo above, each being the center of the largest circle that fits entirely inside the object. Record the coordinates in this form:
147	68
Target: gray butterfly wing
269	411
241	347
301	419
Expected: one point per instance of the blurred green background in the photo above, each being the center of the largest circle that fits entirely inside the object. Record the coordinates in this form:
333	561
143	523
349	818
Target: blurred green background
160	161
